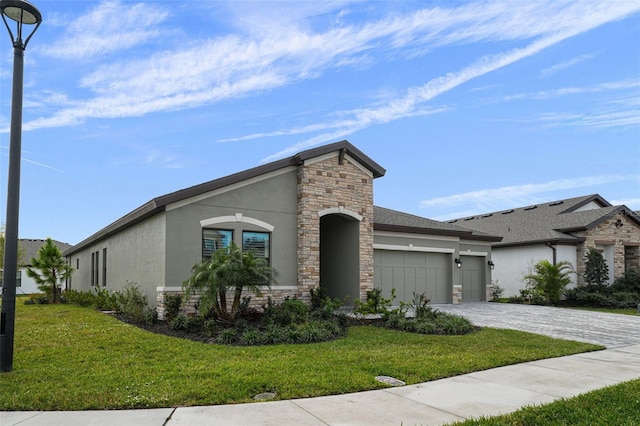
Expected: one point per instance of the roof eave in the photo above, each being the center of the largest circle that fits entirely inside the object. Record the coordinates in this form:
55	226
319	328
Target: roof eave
418	230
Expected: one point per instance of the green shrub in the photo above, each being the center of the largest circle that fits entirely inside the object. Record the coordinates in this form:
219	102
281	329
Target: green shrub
294	334
150	315
629	282
313	332
375	303
319	298
183	322
179	322
425	327
227	336
210	327
104	300
600	296
172	303
131	302
290	311
451	324
394	320
274	334
76	297
251	336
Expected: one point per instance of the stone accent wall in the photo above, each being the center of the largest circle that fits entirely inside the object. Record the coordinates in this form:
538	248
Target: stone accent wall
620	232
188	307
324	184
457	294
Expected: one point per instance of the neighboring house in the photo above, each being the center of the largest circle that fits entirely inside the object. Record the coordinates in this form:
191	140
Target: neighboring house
557	231
25	284
310	215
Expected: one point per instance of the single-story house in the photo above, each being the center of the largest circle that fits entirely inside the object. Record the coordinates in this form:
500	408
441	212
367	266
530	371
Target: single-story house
561	230
29	249
310	215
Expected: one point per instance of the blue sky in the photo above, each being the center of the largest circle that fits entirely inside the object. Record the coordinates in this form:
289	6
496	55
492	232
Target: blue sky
470	106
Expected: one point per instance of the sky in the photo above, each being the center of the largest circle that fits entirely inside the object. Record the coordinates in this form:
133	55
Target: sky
471	107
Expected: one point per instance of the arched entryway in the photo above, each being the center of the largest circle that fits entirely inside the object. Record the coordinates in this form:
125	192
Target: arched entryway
340	256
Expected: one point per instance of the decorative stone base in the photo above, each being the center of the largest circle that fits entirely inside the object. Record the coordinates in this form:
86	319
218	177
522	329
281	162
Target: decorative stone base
189	307
457	294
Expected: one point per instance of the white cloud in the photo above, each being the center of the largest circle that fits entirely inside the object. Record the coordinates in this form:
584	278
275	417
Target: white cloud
547	72
241	65
111	26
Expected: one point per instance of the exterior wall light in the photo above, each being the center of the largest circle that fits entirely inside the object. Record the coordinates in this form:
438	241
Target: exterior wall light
458	262
491	264
23	13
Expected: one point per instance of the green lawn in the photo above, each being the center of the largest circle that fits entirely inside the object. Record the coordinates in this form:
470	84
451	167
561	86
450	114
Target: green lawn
611	310
615	405
73	358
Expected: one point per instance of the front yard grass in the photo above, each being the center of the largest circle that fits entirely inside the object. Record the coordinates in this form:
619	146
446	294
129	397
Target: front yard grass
614	405
73	358
608	310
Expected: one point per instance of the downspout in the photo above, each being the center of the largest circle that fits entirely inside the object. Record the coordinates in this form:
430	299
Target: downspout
555	258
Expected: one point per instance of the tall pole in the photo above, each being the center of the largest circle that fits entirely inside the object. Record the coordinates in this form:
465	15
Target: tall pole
22	12
7	325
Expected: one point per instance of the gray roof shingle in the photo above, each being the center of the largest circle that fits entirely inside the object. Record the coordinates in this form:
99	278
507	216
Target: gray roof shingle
392	220
31	247
544	222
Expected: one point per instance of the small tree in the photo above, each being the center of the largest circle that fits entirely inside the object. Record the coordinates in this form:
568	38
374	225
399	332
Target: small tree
597	270
551	279
49	269
228	269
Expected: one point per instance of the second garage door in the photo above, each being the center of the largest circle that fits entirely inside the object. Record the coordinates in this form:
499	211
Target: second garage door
413	272
473	289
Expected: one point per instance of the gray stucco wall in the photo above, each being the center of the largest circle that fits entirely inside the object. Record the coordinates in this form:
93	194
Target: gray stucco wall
134	255
271	200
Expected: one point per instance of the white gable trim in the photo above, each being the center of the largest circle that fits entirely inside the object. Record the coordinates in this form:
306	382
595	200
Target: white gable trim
340	210
228	188
473	253
336	154
416	236
238	217
411	247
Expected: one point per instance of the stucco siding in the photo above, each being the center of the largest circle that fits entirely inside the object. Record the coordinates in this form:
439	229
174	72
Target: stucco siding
513	263
271	201
134	255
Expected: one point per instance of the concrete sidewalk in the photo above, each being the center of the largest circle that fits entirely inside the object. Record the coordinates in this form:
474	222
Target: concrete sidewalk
490	392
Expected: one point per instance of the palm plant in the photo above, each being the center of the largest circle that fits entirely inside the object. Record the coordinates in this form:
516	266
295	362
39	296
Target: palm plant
228	269
551	278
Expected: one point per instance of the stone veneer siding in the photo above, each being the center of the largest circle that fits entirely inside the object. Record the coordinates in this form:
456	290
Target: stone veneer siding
324	184
188	308
609	232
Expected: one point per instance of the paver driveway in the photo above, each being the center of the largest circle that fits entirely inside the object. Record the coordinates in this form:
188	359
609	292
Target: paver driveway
610	330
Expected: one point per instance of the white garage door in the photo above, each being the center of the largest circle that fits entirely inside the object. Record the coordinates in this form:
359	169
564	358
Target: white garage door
413	272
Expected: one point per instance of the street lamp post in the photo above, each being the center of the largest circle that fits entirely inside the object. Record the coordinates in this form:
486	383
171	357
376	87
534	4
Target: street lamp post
22	13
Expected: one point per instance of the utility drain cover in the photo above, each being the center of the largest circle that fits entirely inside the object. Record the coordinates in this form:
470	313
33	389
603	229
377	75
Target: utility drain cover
390	380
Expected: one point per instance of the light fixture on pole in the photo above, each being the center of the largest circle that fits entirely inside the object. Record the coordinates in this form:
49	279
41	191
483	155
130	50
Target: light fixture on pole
23	13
